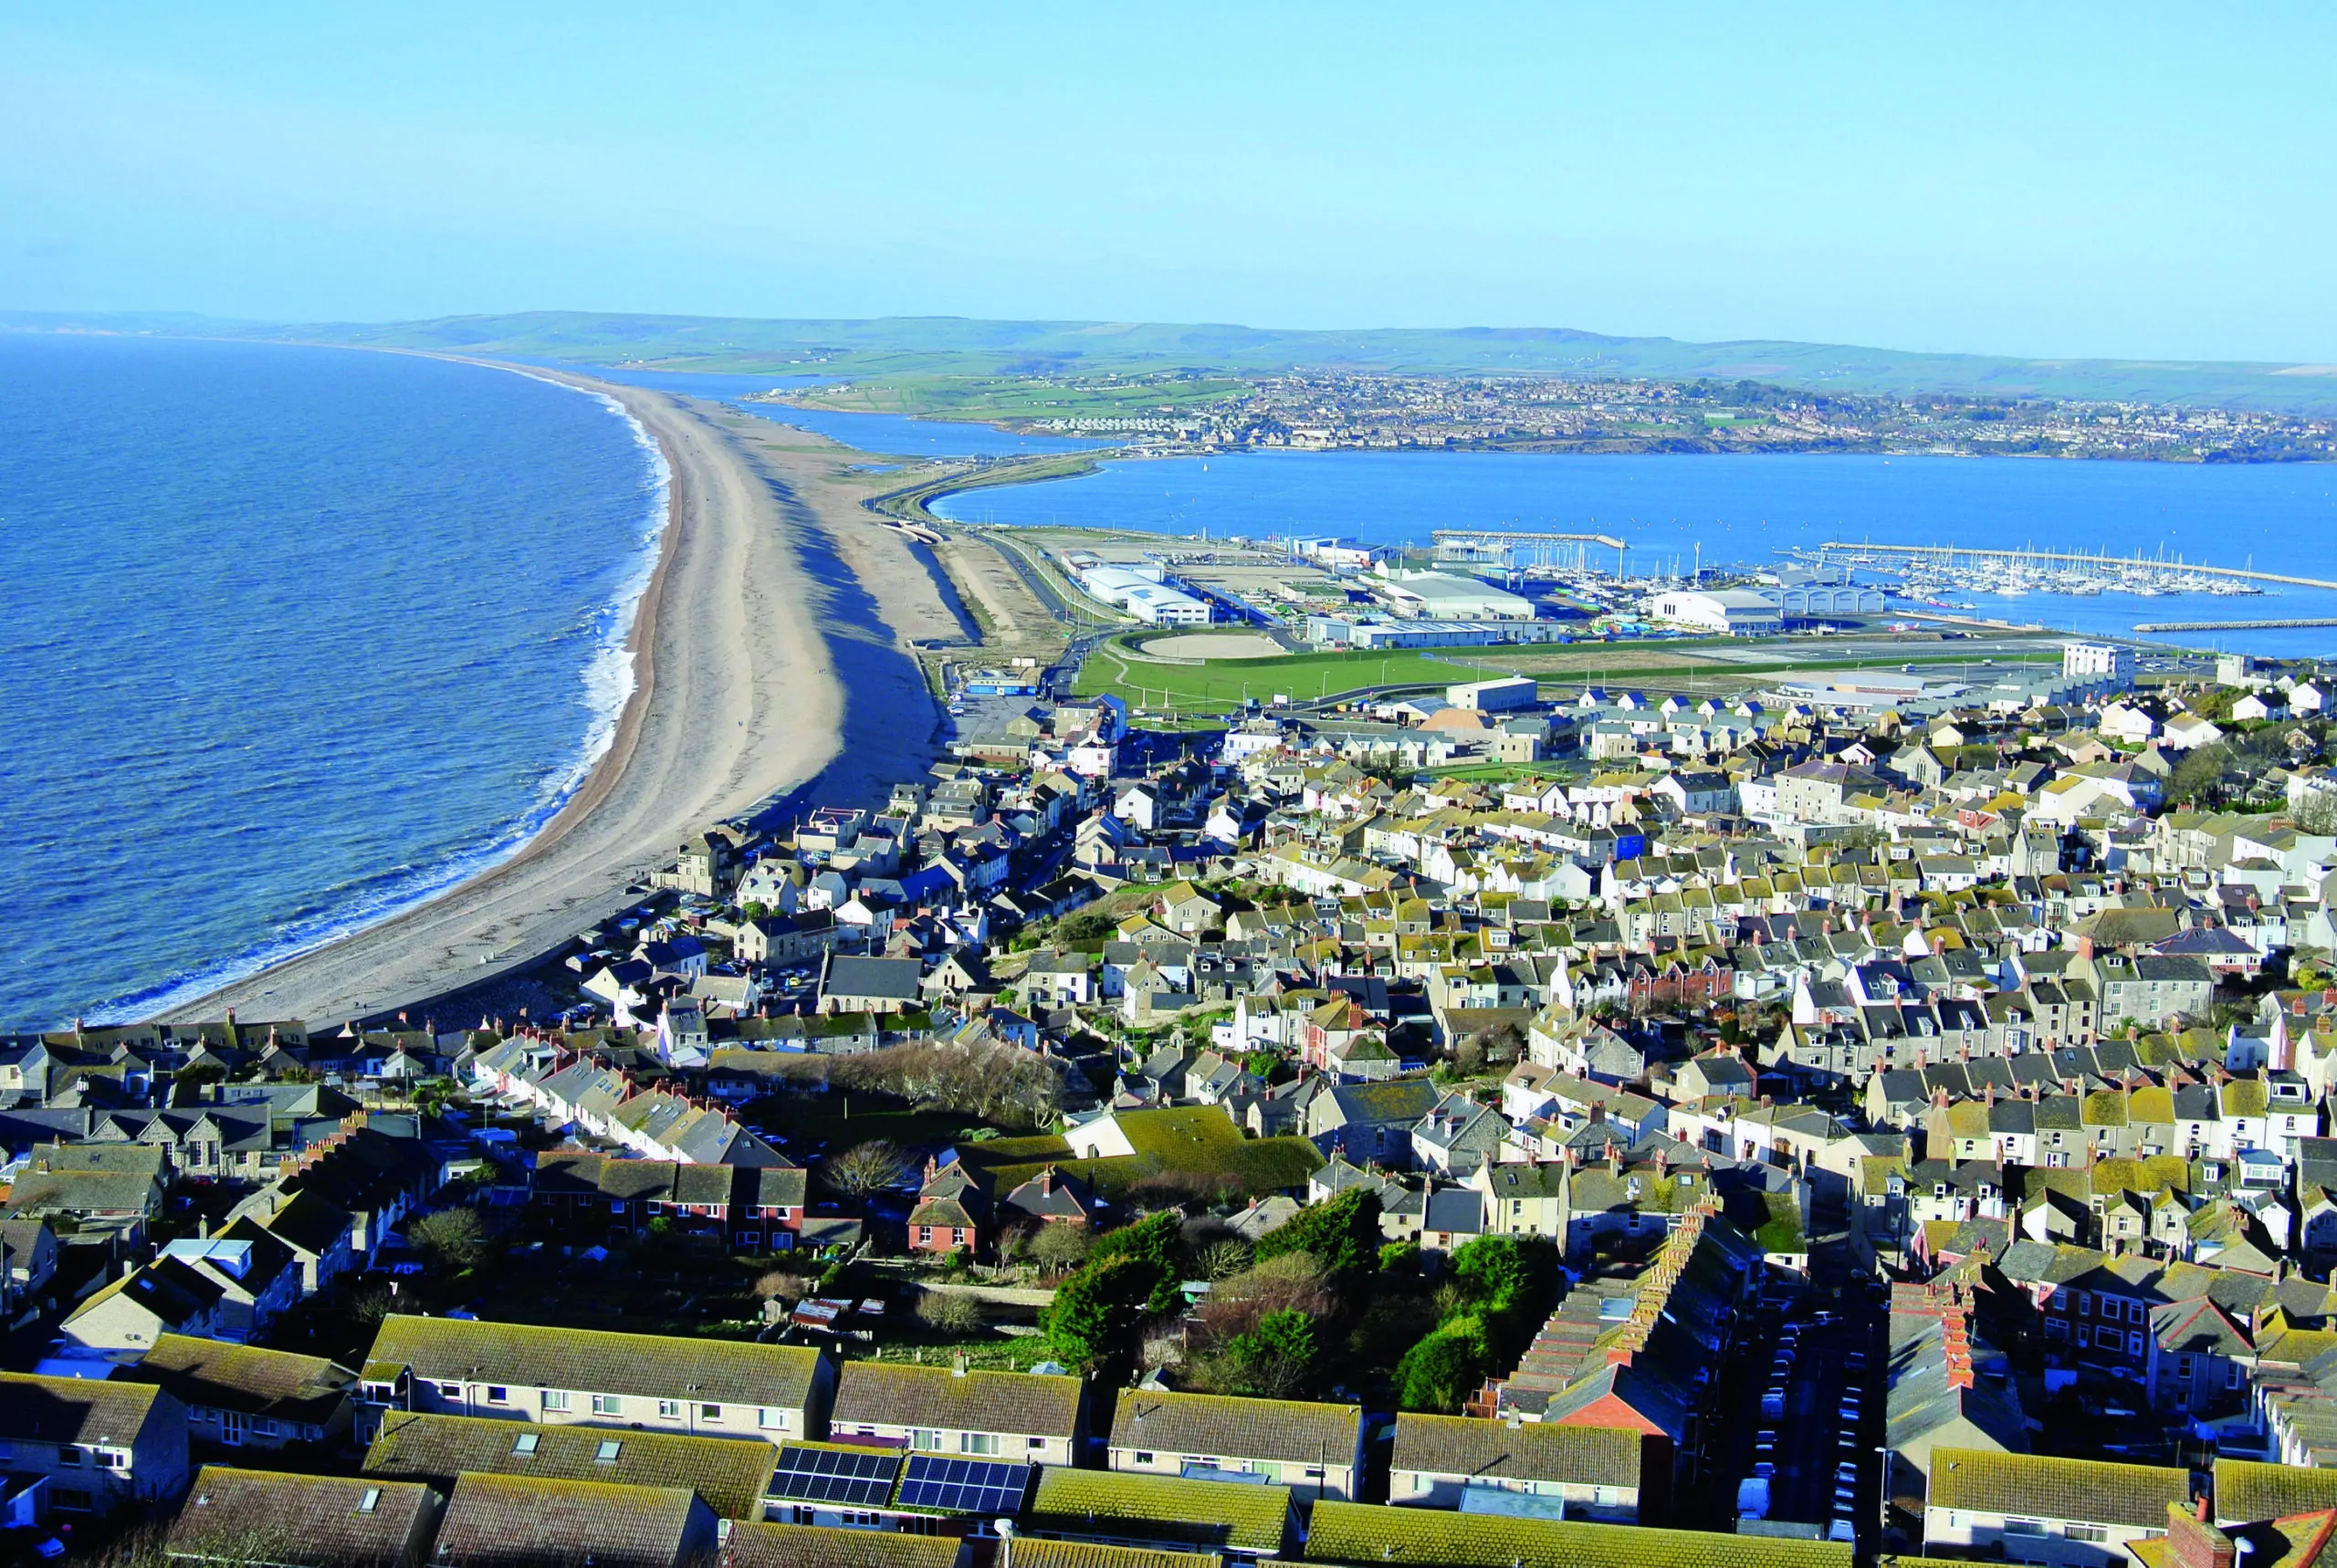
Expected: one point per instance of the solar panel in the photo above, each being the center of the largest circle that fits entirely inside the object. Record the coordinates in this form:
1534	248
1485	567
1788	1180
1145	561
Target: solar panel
834	1476
965	1486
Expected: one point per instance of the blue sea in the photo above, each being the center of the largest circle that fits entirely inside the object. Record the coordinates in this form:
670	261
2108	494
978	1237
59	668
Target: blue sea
2280	517
290	638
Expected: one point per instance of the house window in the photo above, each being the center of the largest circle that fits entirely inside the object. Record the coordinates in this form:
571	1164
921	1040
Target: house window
1038	1442
2234	1375
371	1501
72	1498
450	1390
2024	1527
977	1443
607	1405
924	1437
1143	1458
68	1456
773	1417
669	1410
709	1412
555	1399
606	1453
2094	1532
496	1393
525	1443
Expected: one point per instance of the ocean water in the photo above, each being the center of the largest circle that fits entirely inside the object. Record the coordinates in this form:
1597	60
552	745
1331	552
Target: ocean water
290	638
2280	517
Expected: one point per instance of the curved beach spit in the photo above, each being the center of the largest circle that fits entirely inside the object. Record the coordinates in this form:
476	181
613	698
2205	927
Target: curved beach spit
737	698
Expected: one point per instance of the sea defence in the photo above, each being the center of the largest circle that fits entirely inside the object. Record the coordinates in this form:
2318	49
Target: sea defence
737	700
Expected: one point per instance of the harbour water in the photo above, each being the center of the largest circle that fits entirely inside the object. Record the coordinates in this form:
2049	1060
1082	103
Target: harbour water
2280	517
290	638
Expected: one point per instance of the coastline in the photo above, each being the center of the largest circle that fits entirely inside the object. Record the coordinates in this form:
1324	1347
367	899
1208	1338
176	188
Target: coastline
736	700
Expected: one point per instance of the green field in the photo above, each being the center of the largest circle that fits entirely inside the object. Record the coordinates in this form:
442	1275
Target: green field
1023	398
1221	685
1197	1142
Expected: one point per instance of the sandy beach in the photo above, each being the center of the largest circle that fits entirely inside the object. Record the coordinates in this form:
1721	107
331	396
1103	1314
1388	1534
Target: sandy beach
762	665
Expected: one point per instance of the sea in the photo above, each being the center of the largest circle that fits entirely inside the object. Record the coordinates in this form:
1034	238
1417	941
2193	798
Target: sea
294	638
1677	512
290	638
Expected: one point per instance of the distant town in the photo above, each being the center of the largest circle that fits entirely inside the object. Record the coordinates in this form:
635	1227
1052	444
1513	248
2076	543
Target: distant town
1350	1057
1329	410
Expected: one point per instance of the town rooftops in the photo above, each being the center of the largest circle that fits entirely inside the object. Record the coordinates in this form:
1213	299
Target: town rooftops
754	1544
731	1476
277	1384
514	1520
2248	1492
1360	1534
234	1515
1126	1505
1533	1450
2036	1486
65	1410
456	1350
891	1394
1297	1431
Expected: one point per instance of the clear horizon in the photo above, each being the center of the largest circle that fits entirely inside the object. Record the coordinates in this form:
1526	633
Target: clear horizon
2087	183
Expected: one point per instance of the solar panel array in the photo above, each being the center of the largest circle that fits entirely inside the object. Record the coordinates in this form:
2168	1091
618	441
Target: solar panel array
834	1476
965	1486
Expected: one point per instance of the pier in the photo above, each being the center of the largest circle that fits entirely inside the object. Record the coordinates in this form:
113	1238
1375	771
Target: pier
1947	555
1544	548
2236	626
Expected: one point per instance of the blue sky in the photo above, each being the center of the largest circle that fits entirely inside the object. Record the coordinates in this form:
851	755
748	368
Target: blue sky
2144	181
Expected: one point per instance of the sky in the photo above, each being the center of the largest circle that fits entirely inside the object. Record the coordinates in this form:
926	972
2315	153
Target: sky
2132	181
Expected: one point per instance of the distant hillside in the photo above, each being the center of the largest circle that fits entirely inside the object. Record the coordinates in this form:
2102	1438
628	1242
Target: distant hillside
957	345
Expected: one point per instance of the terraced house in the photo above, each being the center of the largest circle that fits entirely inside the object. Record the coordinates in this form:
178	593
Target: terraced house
1034	1418
1314	1447
559	1377
2076	1513
1456	1461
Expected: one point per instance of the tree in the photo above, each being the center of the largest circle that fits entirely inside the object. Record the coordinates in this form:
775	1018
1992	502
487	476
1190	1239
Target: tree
452	1239
1096	1309
1342	1234
1276	1359
1057	1247
1444	1369
950	1313
864	1169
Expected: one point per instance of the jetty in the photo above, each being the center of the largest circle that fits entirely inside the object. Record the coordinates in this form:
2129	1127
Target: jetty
2288	624
1947	555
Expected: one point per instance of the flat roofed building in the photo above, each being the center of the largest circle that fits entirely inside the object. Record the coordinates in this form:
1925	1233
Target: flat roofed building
1501	696
1315	1448
1441	596
2080	1513
514	1521
1034	1417
730	1477
702	1387
1592	1472
2097	662
238	1517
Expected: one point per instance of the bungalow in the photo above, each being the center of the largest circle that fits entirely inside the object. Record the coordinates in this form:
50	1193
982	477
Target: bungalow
2076	1513
237	1516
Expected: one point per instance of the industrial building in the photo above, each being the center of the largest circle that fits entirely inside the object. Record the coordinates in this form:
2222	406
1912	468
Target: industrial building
1145	592
1435	595
1340	631
1501	695
1732	612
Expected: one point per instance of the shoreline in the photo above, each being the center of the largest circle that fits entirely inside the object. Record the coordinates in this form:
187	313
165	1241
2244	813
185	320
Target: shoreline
713	683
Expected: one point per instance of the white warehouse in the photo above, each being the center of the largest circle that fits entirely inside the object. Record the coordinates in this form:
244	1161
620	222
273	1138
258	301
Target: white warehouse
1439	596
1145	593
1733	611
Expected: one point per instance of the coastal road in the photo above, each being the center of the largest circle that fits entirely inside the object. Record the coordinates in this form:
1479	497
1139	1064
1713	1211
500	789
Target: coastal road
737	700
